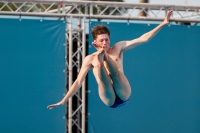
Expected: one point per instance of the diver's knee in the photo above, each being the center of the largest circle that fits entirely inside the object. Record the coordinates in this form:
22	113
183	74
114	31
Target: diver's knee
108	101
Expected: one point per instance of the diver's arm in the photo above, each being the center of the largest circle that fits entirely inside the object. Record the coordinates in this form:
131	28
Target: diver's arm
126	45
77	84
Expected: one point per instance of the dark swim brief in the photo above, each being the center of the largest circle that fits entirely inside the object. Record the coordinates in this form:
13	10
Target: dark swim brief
118	102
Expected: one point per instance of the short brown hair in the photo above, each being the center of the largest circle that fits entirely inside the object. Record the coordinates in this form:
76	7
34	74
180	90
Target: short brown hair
100	29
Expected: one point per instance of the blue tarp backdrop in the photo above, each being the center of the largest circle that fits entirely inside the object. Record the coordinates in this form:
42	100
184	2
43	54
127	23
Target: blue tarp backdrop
31	75
165	78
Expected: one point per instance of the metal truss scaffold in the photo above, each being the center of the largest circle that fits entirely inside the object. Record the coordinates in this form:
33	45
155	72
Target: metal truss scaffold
76	36
98	10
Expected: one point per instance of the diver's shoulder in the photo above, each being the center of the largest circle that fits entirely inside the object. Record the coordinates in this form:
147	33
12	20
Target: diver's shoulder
90	56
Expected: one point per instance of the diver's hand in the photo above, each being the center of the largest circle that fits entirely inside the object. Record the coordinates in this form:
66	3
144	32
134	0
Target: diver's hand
167	18
54	105
96	45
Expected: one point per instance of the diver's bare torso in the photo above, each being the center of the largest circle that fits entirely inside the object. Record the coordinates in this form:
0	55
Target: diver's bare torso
116	56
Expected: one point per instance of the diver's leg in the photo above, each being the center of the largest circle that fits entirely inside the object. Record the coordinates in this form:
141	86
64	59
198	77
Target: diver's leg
120	82
105	87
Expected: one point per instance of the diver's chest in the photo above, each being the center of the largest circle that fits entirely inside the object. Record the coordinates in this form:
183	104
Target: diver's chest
116	59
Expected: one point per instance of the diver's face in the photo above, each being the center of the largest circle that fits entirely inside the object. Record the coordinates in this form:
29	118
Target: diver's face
103	41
